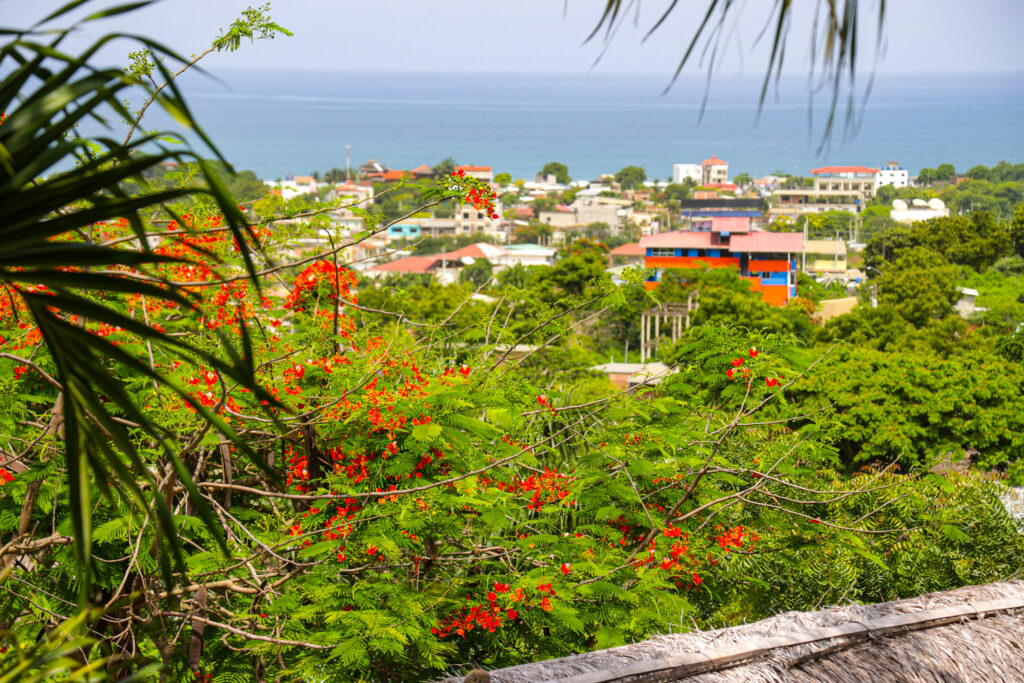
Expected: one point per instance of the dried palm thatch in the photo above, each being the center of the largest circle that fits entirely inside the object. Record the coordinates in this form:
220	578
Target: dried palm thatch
965	635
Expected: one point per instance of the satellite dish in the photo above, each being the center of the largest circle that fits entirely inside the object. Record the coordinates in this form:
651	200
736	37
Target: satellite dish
899	205
920	202
937	204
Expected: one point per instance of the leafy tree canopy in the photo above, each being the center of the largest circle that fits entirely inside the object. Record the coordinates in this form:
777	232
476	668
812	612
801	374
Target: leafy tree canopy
557	169
631	177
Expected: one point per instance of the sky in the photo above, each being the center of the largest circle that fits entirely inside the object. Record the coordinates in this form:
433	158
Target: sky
548	36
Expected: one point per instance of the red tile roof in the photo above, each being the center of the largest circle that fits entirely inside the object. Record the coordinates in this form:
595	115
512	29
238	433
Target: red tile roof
679	239
730	224
844	169
412	264
423	169
470	169
478	250
631	249
768	242
524	211
714	161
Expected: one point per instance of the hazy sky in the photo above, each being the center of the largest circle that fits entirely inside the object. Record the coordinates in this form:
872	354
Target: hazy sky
540	36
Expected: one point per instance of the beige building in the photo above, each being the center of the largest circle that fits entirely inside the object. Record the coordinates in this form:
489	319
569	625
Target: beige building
824	256
714	170
846	179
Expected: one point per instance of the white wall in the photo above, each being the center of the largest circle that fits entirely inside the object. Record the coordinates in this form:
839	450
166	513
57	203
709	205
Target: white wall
680	172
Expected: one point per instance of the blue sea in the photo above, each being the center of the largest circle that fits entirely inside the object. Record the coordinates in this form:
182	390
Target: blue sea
279	123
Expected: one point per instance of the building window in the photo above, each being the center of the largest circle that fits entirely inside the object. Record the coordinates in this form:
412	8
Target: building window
663	251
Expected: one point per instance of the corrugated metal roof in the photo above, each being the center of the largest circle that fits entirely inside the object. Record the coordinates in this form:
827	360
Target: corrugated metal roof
412	264
478	250
631	249
768	242
844	169
679	239
731	224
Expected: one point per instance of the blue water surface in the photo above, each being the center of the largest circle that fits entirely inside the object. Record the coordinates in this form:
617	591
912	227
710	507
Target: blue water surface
279	123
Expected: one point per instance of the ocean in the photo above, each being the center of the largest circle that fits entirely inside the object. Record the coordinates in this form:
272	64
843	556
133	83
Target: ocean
278	123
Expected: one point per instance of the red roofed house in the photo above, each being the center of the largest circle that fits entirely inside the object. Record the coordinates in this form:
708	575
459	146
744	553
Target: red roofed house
721	187
767	260
481	172
393	175
836	188
714	170
423	171
627	253
446	267
411	264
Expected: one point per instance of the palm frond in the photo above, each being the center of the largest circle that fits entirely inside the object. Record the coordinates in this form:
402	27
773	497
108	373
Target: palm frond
55	185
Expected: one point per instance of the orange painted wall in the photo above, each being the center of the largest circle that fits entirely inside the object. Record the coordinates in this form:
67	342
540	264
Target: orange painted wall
692	262
773	295
769	266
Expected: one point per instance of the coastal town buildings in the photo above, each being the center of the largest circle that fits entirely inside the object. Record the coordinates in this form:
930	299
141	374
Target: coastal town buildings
767	260
838	188
446	267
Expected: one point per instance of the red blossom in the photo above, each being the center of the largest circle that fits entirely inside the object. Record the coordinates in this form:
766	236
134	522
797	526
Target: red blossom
736	362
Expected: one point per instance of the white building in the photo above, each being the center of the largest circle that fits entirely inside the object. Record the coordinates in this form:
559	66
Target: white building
680	172
893	174
478	172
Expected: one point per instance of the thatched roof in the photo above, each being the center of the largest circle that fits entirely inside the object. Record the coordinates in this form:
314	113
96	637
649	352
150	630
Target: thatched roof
969	634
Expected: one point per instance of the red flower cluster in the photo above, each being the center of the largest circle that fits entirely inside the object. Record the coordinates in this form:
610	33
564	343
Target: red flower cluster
734	372
5	477
339	282
734	538
481	198
549	487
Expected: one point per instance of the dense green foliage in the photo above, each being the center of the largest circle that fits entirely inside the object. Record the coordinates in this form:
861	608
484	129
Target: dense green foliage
557	169
385	480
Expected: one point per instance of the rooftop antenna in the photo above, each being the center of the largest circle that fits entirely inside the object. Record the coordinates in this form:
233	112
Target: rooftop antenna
348	164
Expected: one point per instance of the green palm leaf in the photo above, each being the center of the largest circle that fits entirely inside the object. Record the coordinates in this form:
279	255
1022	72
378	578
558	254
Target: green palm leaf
47	94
